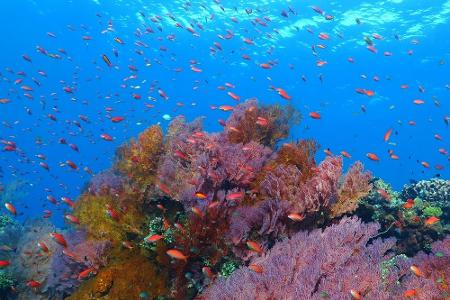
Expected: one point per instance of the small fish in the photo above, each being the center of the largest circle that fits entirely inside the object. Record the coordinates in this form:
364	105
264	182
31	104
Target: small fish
153	238
409	204
431	221
4	263
200	195
106	60
11	208
410	293
315	115
355	294
296	217
387	135
72	219
59	238
207	272
255	268
86	273
33	284
255	246
416	271
176	254
43	247
373	156
345	154
283	94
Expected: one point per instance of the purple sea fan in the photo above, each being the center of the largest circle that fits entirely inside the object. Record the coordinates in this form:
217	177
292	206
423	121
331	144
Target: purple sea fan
433	280
62	279
106	182
356	185
314	265
316	193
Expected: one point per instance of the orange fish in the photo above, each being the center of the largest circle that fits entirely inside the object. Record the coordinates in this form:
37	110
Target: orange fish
177	254
11	208
59	238
117	119
262	121
86	273
200	195
234	196
4	101
153	238
226	108
234	96
415	269
207	272
72	219
106	137
255	268
283	94
410	293
265	66
373	156
409	204
43	247
394	156
296	217
369	93
355	294
33	284
418	102
254	246
314	115
431	221
425	164
387	135
345	154
197	211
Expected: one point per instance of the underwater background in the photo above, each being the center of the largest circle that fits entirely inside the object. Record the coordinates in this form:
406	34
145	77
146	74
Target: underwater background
224	149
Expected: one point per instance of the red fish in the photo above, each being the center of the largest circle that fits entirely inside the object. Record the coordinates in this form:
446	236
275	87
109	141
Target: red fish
33	284
431	221
153	238
59	238
4	263
235	196
43	247
314	115
86	273
410	293
255	246
117	119
72	219
283	94
72	164
11	208
296	217
255	268
106	137
416	271
355	294
387	135
68	201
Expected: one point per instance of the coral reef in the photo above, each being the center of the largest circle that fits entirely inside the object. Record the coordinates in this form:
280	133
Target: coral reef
406	218
235	215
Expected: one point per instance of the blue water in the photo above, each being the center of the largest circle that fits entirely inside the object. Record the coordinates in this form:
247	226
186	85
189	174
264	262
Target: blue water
343	125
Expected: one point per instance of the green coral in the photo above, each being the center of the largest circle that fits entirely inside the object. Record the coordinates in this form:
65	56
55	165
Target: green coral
6	221
6	281
227	269
387	265
432	211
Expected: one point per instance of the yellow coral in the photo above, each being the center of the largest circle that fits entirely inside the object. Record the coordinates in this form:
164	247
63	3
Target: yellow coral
123	281
92	212
139	159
